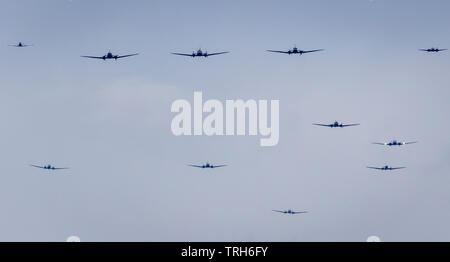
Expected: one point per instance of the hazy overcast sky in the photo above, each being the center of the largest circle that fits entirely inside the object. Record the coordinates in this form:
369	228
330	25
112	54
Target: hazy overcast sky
109	121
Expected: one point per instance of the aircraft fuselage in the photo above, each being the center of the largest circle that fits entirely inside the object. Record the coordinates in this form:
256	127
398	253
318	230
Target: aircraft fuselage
295	51
109	56
199	53
336	124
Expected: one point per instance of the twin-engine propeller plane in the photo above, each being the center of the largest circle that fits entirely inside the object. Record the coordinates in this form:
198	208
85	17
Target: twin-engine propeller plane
20	44
432	50
207	165
336	124
384	168
200	53
295	50
49	167
290	212
109	55
395	143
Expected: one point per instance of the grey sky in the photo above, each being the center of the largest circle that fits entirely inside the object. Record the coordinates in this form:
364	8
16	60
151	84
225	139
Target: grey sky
110	121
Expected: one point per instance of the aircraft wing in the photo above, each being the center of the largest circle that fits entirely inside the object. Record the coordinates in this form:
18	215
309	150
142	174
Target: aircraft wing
182	54
219	166
300	212
426	50
377	168
95	57
311	51
276	51
322	125
279	211
383	144
394	168
442	49
37	166
220	53
122	56
350	125
196	166
59	168
407	143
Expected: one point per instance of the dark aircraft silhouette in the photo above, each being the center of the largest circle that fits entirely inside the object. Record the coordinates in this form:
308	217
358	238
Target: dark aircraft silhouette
109	55
395	143
290	212
295	50
49	167
432	50
385	168
20	44
336	124
200	53
207	165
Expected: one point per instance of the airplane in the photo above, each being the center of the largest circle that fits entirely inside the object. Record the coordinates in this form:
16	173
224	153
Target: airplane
207	165
49	167
109	55
336	124
20	44
386	168
200	53
295	50
290	212
432	50
395	143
